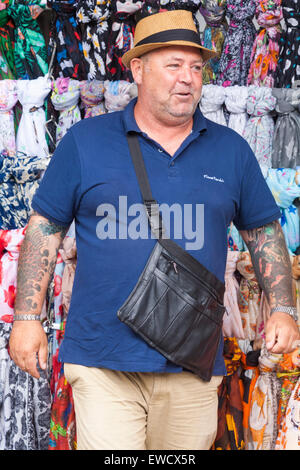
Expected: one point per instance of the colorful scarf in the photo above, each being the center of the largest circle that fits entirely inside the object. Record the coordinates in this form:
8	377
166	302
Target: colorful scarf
65	98
259	130
120	38
7	60
213	36
94	15
264	405
65	35
19	179
235	58
30	48
230	435
118	94
288	69
285	190
232	322
264	56
92	98
286	142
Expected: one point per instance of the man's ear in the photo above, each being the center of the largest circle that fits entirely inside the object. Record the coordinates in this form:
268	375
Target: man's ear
136	67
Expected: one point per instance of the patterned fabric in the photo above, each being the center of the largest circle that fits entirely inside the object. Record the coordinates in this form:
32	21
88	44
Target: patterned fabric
65	97
286	143
7	60
92	98
118	94
212	103
234	239
259	130
8	100
25	402
288	70
120	38
288	374
19	179
264	56
30	49
65	34
31	135
230	435
94	15
235	58
285	190
289	433
232	322
236	104
213	36
249	295
264	405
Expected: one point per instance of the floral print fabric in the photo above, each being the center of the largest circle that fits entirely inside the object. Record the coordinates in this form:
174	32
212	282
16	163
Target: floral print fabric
8	100
264	56
213	11
7	61
92	97
259	130
212	103
94	15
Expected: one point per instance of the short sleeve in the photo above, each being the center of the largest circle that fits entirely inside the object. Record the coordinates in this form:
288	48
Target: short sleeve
257	205
59	190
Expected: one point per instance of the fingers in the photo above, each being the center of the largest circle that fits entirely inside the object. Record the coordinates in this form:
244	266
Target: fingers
282	333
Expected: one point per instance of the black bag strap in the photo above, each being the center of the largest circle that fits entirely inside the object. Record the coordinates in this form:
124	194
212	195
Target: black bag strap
156	224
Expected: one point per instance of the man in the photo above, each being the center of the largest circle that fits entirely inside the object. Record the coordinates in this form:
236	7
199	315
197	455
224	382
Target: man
126	394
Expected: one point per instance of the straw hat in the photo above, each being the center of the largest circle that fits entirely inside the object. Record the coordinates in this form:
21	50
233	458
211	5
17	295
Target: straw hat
168	28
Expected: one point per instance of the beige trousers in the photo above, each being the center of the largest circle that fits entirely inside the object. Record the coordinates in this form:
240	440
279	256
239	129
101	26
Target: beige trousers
142	411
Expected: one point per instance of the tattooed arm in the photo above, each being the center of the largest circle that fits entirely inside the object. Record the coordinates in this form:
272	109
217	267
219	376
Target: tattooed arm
272	266
36	265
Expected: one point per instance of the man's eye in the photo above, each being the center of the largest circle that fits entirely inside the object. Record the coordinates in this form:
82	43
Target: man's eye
197	68
174	66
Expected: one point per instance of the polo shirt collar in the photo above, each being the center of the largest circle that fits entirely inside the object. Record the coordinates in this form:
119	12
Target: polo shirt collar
199	122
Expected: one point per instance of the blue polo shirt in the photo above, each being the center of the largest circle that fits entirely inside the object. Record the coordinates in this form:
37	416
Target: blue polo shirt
212	179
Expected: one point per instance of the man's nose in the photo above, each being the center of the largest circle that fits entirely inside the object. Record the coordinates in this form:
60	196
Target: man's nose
186	74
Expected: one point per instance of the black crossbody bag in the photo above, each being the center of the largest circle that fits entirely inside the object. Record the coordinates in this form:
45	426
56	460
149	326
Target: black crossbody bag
177	304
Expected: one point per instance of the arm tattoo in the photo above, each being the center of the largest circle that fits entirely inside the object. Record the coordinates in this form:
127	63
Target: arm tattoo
37	262
271	263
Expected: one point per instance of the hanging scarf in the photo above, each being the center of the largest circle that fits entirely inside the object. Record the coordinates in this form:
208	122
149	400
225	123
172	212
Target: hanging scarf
25	402
30	49
65	97
265	52
236	104
213	36
65	35
232	322
288	69
235	58
230	434
212	102
248	376
31	135
118	94
286	142
249	295
7	60
259	130
19	179
94	15
8	100
92	98
285	190
120	38
264	406
234	239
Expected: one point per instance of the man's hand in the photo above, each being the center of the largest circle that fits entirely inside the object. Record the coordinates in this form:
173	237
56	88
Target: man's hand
282	333
28	342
